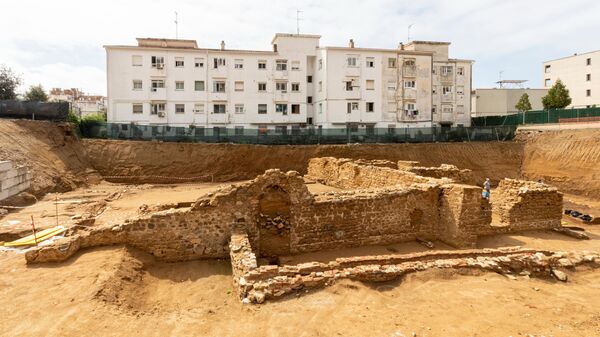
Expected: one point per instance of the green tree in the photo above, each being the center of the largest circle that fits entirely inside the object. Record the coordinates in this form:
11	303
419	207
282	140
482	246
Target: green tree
523	104
9	81
557	97
36	94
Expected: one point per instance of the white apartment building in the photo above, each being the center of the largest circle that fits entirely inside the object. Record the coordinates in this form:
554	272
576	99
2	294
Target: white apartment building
581	75
294	85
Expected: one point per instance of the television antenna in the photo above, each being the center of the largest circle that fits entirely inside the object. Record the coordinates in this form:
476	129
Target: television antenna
176	26
298	21
409	27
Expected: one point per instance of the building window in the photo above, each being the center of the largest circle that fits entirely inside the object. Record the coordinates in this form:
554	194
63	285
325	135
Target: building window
238	64
370	84
309	121
295	87
588	93
320	85
157	109
239	86
352	106
391	86
309	79
283	108
588	62
219	86
547	82
199	85
446	90
588	77
309	99
158	62
434	109
219	62
434	70
447	109
547	69
262	86
179	108
295	65
391	63
434	89
460	71
179	85
410	84
137	85
157	84
409	109
179	62
239	108
370	62
281	65
262	64
320	108
446	70
460	90
262	109
199	108
295	109
138	108
281	86
370	107
348	85
219	108
199	62
137	60
320	64
352	61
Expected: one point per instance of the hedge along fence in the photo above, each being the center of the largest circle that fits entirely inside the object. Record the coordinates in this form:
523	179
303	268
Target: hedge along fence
34	110
538	117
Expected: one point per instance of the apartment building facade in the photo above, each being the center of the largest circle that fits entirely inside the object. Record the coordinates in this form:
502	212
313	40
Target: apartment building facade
296	84
581	75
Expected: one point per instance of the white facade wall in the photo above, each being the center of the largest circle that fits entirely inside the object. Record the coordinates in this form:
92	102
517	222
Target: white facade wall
321	102
502	101
580	74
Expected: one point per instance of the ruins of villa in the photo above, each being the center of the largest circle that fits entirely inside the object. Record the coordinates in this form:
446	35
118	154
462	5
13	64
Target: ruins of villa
378	203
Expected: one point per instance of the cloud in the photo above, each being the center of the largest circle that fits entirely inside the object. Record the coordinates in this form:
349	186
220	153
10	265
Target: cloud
60	42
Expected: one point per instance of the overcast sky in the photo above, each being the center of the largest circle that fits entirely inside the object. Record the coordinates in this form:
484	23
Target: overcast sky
59	43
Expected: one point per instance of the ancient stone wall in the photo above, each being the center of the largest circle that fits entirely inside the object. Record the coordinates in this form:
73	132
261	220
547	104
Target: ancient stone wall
463	176
522	205
349	174
13	179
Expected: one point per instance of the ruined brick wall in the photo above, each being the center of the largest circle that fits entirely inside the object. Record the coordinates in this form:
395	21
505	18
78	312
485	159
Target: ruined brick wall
366	217
463	212
462	176
350	174
523	205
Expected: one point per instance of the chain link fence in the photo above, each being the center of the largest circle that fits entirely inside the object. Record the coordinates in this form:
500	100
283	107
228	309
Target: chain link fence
296	136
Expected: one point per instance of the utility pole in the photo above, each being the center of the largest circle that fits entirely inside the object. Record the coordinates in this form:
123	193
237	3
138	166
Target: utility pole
409	27
176	27
298	21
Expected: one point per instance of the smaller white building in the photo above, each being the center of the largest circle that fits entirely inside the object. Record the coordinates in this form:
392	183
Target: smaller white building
581	75
502	101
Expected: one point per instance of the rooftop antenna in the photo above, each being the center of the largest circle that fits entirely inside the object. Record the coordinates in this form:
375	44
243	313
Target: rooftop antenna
176	27
298	21
500	78
409	27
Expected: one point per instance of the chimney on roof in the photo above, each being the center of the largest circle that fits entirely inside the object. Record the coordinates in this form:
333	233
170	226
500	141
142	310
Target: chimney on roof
401	46
351	43
275	47
222	45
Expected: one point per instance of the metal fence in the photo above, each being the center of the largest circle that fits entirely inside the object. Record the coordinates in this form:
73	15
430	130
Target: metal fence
34	110
299	136
539	117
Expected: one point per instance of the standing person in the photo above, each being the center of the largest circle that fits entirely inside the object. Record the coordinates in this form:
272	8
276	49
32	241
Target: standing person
487	186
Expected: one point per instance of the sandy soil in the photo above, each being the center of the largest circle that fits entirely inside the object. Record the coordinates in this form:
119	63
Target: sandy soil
196	299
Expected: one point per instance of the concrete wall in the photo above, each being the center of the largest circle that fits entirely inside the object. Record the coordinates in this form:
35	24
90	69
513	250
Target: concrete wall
500	102
13	179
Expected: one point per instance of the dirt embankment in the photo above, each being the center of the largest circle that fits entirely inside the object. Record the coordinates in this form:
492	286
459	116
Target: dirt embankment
53	153
236	162
568	159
